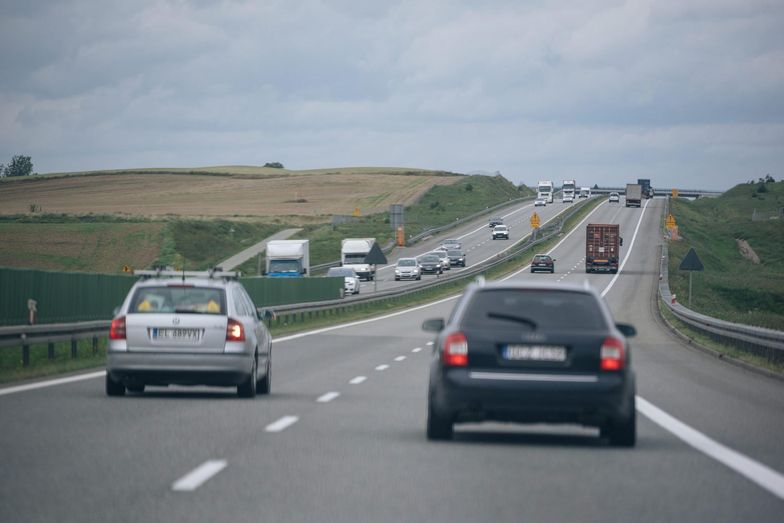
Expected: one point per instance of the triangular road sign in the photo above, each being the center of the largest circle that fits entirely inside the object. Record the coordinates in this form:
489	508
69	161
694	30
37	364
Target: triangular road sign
375	256
691	262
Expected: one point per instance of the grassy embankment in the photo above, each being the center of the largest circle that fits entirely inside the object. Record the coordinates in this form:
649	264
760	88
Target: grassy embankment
731	287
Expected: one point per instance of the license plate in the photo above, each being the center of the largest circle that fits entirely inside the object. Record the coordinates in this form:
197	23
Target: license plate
175	334
534	353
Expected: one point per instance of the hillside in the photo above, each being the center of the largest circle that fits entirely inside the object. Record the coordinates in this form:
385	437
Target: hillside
249	192
733	287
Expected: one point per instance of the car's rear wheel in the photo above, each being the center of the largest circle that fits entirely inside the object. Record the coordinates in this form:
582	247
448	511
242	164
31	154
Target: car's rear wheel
264	385
247	389
438	427
623	433
113	387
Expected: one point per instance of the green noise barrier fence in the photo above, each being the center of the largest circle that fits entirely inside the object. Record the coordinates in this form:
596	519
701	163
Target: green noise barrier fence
62	297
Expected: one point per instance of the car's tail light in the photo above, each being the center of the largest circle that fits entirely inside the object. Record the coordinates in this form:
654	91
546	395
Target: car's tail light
612	354
117	330
455	350
235	331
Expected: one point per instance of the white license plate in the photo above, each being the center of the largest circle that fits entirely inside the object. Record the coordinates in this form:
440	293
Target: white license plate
175	334
534	353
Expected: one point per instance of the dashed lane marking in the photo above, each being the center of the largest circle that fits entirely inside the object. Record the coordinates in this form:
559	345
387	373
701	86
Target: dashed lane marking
329	396
282	424
382	367
198	476
400	358
418	349
357	380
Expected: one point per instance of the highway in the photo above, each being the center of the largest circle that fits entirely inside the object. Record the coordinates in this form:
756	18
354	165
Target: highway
342	437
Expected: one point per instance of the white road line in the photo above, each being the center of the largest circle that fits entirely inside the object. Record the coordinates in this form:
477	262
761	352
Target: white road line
357	380
382	367
329	396
429	343
198	476
418	349
762	475
282	424
51	383
628	251
400	358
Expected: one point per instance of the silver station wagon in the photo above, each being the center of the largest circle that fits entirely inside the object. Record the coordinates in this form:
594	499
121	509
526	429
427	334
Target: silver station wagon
188	328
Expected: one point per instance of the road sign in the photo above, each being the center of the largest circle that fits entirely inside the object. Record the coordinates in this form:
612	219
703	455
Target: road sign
535	221
691	263
670	223
675	193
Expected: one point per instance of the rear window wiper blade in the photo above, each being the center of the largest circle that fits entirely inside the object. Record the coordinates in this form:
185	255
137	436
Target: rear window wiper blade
509	317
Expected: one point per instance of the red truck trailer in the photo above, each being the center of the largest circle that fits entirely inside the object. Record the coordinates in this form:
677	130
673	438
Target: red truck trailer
602	247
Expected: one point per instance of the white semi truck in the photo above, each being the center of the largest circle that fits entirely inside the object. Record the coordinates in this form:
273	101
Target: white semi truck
352	254
288	258
567	191
545	190
585	192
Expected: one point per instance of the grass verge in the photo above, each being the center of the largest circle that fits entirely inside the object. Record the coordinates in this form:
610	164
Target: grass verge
11	368
722	350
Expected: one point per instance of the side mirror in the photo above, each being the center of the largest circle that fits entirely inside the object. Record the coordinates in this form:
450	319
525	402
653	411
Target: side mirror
265	314
626	329
554	259
305	271
263	273
433	325
621	242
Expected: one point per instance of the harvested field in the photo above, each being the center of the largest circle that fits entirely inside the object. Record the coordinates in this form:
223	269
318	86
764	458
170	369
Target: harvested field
213	192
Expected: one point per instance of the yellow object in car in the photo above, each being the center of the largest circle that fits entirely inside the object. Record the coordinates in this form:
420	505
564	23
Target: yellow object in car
212	306
144	306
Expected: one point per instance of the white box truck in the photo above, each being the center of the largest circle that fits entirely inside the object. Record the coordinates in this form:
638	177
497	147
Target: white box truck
545	190
585	192
288	258
567	191
352	254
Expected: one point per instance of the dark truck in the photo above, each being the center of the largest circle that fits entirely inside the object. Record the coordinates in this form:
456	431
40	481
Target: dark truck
602	247
647	190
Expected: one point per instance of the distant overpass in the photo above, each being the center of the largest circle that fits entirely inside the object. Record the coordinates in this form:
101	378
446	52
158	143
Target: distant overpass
661	191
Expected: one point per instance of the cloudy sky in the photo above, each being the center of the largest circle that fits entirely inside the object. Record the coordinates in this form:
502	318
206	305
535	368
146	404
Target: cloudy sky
685	92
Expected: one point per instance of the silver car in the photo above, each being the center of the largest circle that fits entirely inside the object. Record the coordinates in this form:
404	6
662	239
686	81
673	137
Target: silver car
188	328
407	269
351	281
444	257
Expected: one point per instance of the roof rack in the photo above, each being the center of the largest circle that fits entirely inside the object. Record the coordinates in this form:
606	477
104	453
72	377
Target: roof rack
214	273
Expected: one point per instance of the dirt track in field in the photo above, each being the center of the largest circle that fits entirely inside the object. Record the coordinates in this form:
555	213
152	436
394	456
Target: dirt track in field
304	194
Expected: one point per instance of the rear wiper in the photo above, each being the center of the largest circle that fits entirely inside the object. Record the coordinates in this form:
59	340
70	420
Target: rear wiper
518	319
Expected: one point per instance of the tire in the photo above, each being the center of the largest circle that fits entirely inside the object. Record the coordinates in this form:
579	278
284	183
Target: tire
264	385
247	389
552	271
419	277
114	388
532	271
622	433
136	388
438	428
397	279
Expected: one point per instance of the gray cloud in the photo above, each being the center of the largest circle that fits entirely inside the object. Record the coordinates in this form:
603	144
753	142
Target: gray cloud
607	90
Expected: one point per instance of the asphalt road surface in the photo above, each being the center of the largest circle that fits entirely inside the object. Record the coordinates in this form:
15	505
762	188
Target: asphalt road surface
342	437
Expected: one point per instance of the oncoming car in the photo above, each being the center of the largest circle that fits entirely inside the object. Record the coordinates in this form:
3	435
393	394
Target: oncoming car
450	245
431	264
351	282
456	257
540	202
495	221
615	197
444	257
407	269
188	328
532	353
501	231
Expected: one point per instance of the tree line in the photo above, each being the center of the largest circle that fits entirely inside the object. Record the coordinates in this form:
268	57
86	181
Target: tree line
20	166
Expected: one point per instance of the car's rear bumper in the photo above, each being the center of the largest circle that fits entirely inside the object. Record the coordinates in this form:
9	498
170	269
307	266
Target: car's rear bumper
180	369
531	397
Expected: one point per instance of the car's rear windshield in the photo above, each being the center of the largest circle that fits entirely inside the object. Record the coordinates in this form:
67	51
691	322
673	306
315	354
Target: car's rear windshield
542	258
545	310
179	299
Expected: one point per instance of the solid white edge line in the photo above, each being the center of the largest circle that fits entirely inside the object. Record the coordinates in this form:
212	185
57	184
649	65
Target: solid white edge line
51	383
762	475
329	396
282	424
357	380
198	476
628	251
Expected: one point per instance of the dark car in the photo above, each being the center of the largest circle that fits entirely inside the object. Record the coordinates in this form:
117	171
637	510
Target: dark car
543	262
431	264
456	257
532	353
495	221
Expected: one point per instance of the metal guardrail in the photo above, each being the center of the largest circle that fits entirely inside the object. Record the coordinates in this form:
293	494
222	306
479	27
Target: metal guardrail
768	343
27	335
